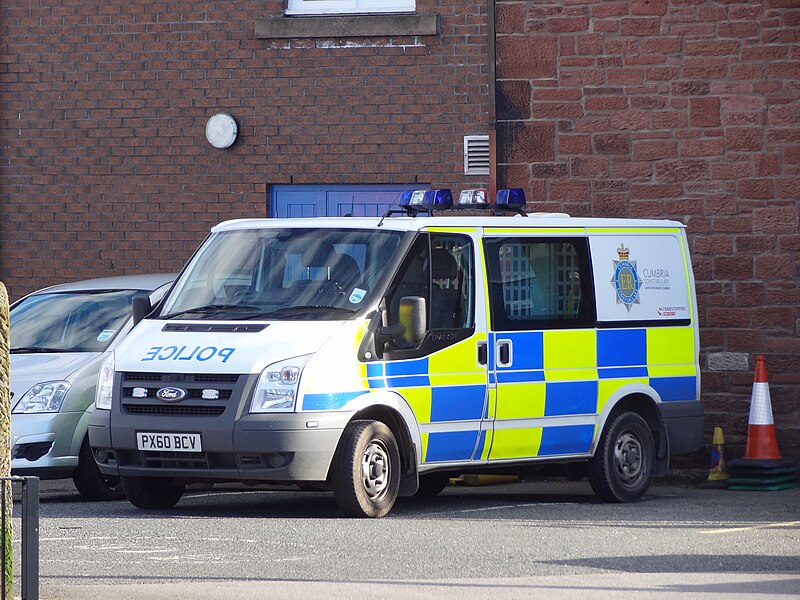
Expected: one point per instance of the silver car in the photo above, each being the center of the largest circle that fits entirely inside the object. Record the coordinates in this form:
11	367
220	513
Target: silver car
59	337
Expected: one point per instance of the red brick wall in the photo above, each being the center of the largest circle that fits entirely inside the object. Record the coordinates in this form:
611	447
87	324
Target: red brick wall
104	167
686	109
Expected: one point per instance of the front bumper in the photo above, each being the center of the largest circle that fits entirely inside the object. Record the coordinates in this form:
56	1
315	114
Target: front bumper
297	447
47	444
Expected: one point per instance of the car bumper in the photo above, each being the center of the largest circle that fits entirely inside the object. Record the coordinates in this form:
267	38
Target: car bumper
50	439
275	447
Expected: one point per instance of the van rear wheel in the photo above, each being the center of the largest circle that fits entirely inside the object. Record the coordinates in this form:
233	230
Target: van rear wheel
150	492
366	470
622	467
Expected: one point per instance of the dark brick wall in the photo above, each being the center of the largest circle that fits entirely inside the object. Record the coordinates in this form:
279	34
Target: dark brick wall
686	109
104	167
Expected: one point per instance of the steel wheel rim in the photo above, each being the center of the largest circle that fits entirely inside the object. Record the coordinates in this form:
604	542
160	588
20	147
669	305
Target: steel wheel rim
375	469
629	459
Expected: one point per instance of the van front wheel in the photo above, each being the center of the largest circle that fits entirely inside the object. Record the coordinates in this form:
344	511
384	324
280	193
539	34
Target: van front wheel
622	467
90	482
151	492
366	470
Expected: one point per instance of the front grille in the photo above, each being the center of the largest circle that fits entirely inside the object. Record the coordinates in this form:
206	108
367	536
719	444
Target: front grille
172	378
179	460
197	394
139	391
175	460
215	378
174	410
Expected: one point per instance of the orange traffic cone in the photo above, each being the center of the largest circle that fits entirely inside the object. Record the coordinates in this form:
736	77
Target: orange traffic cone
762	467
761	441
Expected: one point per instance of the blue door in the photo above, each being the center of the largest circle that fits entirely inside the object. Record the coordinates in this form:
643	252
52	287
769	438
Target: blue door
292	201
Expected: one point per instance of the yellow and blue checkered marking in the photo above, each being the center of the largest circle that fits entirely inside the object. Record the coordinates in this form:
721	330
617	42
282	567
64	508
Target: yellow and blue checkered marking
447	402
447	446
560	374
616	354
567	439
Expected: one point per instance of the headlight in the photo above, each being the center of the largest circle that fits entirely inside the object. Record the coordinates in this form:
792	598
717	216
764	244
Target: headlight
277	386
44	397
105	384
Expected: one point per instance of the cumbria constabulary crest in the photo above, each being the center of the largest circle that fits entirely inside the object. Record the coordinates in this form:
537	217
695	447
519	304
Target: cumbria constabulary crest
626	281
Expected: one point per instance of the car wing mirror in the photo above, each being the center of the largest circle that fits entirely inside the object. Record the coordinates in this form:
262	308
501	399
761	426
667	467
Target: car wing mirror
141	307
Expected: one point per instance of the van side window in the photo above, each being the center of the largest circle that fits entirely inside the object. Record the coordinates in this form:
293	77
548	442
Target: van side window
439	268
453	282
539	283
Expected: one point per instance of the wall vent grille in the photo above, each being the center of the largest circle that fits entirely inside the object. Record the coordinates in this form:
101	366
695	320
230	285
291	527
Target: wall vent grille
476	155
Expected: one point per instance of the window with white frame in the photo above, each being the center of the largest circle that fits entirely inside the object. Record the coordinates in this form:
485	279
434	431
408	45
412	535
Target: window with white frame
323	7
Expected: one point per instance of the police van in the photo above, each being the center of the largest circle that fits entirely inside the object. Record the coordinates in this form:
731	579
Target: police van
379	357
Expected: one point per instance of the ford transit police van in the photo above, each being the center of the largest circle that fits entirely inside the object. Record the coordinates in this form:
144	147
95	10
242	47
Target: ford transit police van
379	357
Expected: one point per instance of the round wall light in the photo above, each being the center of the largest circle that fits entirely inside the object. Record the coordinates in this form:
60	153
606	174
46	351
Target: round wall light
221	130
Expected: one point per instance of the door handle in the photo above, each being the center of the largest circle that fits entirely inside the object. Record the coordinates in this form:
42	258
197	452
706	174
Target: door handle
483	353
504	356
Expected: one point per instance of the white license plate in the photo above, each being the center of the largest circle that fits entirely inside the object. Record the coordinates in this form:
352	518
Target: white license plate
173	442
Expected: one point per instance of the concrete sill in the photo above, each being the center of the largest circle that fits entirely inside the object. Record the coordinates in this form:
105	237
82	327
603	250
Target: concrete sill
346	27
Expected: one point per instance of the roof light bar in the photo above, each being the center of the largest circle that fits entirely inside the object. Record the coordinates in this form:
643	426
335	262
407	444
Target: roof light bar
416	202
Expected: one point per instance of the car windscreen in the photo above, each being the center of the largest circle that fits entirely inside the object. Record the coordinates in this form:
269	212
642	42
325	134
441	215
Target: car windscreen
282	274
69	321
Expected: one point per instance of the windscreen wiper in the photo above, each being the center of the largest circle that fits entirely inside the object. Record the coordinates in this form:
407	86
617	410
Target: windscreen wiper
297	311
211	309
39	350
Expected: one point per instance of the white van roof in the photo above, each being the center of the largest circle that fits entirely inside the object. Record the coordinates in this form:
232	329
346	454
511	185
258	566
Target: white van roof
532	220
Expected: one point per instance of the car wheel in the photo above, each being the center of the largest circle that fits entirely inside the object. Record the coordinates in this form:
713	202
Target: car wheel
91	483
622	467
366	470
151	492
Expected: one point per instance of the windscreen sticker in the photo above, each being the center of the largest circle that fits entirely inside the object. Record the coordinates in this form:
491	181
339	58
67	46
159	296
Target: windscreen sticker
357	295
106	335
201	353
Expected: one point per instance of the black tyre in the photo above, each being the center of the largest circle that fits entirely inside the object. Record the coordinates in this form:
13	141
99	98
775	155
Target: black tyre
432	484
366	470
622	467
91	483
150	492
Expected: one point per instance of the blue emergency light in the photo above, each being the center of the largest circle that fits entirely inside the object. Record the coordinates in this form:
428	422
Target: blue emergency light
426	200
510	199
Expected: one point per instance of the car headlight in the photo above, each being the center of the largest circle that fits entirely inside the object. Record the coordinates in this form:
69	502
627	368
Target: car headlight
277	386
105	384
44	397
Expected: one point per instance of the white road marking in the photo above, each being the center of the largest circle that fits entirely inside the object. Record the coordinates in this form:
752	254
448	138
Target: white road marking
752	527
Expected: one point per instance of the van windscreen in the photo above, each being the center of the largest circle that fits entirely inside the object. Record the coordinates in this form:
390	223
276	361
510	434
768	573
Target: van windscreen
303	273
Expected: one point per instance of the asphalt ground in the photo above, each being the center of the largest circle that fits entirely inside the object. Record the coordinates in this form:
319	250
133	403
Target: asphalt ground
531	539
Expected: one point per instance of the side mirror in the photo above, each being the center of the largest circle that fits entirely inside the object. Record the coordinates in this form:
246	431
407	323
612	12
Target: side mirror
412	318
409	330
141	307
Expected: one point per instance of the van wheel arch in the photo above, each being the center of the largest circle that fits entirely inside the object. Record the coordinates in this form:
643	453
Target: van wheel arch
648	409
408	459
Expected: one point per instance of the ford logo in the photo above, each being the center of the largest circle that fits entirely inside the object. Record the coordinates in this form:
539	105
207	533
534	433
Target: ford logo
171	394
